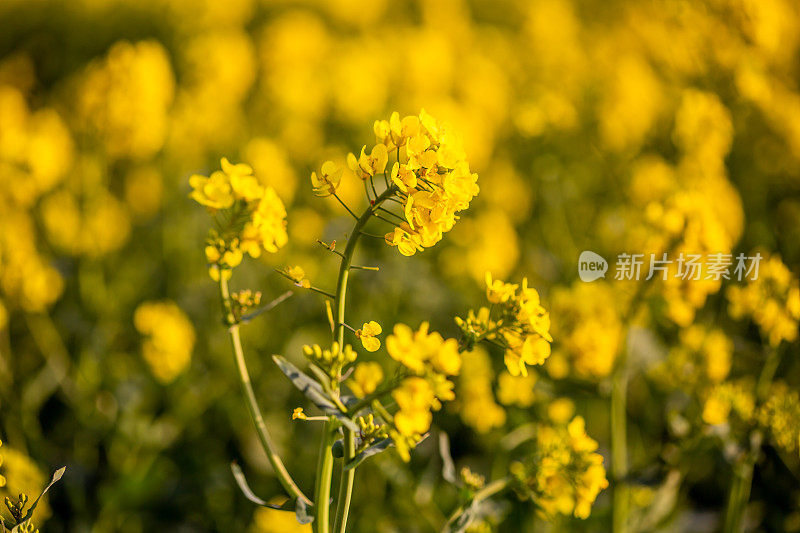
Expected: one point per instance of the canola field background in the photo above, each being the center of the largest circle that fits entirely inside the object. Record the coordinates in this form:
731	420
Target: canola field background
616	127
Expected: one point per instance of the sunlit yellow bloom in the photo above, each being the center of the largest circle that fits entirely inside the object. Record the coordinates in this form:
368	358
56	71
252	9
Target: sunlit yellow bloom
498	291
402	130
367	166
243	183
214	192
403	177
298	414
328	181
407	243
368	335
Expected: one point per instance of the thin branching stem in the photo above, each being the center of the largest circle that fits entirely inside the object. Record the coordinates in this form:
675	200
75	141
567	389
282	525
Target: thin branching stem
252	405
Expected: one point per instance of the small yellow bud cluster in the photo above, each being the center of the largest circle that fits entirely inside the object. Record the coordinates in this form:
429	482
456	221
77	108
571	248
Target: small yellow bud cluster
369	431
243	302
522	328
330	360
729	398
297	276
564	474
472	480
17	508
780	414
253	217
430	359
772	300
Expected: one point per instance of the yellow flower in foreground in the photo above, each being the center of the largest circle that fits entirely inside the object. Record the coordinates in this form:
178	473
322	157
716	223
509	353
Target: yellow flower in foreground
498	291
214	192
366	378
367	335
298	414
407	243
328	181
367	166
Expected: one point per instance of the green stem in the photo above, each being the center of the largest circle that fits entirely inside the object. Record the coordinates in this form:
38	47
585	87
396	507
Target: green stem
742	479
619	420
486	492
619	448
348	476
322	486
739	495
252	405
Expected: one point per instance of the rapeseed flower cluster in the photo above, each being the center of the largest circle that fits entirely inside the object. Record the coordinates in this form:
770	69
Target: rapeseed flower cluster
429	360
589	330
332	359
772	301
780	415
564	474
475	399
520	324
430	178
169	338
250	217
730	402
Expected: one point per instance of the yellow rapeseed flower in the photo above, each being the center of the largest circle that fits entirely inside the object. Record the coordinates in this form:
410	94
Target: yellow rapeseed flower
368	335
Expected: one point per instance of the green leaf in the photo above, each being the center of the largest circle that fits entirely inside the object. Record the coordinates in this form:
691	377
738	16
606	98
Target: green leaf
304	512
380	446
313	391
289	505
57	475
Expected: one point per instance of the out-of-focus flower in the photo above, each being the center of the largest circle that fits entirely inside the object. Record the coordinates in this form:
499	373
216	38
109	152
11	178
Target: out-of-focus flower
366	378
475	402
125	98
564	474
772	300
169	338
522	327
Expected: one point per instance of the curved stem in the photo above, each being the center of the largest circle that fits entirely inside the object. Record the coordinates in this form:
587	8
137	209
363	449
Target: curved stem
252	405
348	476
